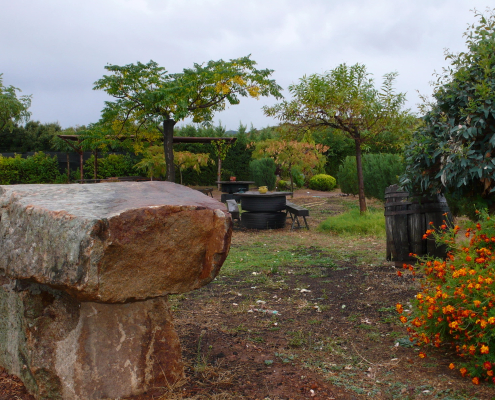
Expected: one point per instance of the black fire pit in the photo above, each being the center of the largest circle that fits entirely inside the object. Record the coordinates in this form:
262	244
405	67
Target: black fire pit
263	210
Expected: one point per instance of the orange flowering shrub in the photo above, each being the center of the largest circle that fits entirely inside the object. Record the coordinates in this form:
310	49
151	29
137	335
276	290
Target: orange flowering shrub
456	304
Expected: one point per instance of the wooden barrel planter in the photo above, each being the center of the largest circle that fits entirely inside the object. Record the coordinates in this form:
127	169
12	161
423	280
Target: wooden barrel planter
263	220
407	217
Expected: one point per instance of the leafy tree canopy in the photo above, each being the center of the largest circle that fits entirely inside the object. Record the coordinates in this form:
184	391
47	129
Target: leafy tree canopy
288	154
346	99
453	150
147	94
13	109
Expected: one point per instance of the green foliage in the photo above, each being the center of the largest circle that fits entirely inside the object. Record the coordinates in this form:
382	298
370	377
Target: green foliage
112	165
353	222
322	182
460	205
346	99
236	162
283	185
147	95
38	168
296	159
13	109
153	162
379	172
9	170
298	177
34	136
239	156
453	150
263	172
340	146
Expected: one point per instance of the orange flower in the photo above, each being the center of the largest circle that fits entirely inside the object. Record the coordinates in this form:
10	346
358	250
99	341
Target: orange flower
487	365
484	349
476	380
422	355
468	258
463	371
399	308
403	319
451	366
399	273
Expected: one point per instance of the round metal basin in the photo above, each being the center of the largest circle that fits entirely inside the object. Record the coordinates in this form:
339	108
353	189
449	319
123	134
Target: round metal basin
263	204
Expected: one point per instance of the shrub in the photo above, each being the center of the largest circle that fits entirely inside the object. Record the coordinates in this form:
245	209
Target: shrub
110	166
38	168
456	305
283	185
379	172
322	182
263	172
467	205
297	177
9	172
453	148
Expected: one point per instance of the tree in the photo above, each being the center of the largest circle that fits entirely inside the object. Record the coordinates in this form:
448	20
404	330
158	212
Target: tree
346	99
220	148
185	159
12	108
453	150
288	154
146	94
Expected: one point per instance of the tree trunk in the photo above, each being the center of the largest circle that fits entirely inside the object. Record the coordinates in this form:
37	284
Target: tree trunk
95	172
359	165
81	165
219	172
68	167
168	135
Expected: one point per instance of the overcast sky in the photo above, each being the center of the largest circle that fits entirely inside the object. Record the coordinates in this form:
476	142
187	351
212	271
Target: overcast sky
56	49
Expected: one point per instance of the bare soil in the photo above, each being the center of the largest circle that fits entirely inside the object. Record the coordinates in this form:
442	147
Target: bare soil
306	329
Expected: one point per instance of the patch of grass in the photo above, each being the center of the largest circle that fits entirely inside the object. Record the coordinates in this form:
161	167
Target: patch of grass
352	222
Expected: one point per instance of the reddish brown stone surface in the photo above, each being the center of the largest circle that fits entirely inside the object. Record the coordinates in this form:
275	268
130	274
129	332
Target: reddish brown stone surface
113	242
65	349
84	275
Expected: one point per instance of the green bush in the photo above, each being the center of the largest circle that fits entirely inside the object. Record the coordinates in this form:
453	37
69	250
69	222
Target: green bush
263	172
9	172
379	172
111	166
283	185
38	168
322	182
297	177
467	205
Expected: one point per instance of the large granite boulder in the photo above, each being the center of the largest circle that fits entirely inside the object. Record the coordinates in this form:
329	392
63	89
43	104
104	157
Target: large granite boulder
84	275
113	242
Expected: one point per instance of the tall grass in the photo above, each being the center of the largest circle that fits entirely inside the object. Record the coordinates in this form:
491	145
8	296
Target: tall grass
352	222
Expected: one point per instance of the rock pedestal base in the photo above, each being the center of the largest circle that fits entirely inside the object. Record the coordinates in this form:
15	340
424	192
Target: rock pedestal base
85	271
70	350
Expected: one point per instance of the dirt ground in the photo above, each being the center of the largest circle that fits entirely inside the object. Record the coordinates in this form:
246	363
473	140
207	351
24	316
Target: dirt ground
320	326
